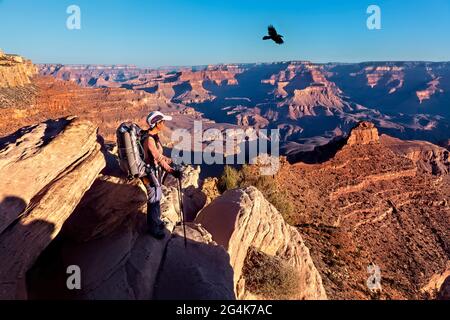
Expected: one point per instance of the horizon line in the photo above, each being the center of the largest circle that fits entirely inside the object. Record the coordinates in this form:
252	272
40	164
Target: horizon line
238	63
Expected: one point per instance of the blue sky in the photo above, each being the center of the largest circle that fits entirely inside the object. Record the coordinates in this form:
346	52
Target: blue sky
176	32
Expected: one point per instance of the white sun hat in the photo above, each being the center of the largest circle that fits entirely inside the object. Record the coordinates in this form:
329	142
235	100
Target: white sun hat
155	117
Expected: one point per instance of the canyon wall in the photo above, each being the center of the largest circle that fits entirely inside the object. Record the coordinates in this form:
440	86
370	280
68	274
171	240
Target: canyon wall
15	71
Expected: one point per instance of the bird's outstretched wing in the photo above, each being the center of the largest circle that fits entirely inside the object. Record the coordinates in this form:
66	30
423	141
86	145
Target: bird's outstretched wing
272	32
278	40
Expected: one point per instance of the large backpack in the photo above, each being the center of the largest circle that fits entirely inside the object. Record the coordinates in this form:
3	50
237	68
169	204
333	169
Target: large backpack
130	139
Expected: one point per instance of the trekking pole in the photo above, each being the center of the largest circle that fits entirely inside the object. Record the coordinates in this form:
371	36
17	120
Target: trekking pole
183	218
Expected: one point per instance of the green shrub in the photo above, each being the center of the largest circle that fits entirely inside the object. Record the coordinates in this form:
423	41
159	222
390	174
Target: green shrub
229	180
280	200
270	277
249	176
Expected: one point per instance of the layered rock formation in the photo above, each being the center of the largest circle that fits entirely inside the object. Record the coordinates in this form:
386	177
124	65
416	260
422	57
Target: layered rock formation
15	81
15	71
308	102
363	133
427	156
304	90
304	102
94	75
106	108
241	219
370	204
186	85
45	170
394	74
407	87
432	89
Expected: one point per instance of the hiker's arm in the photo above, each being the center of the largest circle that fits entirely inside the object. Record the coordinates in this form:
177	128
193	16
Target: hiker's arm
167	159
158	156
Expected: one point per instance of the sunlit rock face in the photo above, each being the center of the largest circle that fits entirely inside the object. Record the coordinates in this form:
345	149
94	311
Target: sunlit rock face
46	169
242	219
15	71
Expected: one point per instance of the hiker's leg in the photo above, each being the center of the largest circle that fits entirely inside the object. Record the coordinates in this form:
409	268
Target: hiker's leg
153	208
153	216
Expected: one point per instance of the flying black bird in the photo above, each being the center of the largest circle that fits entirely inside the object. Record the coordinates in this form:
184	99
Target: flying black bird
274	35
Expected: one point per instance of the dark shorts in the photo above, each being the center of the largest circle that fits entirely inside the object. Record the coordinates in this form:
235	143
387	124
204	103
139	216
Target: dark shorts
154	191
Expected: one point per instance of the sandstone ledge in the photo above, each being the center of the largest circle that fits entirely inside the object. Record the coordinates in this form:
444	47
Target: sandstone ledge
241	219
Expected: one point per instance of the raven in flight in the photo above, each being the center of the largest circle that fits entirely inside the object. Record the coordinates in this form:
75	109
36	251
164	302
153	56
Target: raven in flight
274	35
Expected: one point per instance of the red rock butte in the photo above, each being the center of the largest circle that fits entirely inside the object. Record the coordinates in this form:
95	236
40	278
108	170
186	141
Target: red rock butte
364	133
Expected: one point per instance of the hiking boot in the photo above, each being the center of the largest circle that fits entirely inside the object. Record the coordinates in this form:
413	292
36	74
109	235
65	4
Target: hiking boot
162	225
157	235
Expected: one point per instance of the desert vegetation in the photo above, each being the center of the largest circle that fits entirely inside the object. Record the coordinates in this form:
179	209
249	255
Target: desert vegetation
249	175
268	276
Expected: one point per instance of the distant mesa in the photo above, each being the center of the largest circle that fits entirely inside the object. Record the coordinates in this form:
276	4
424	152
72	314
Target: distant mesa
432	89
364	133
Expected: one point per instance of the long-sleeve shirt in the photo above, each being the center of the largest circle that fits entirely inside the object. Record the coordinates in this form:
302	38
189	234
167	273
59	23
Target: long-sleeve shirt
153	151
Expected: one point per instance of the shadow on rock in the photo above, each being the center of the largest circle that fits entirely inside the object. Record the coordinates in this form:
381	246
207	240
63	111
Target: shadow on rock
320	154
108	203
199	271
52	128
20	246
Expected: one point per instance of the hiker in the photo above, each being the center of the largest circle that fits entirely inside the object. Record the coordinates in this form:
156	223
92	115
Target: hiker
157	164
